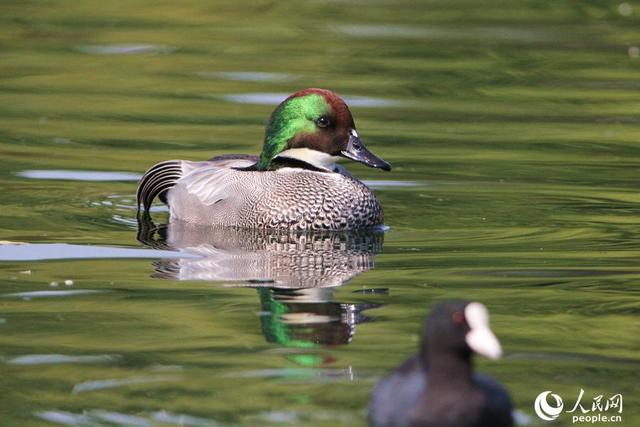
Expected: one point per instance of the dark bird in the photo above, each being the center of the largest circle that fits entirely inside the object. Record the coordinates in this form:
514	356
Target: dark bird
437	386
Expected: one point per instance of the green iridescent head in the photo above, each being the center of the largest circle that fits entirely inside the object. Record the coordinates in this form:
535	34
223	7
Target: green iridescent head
314	126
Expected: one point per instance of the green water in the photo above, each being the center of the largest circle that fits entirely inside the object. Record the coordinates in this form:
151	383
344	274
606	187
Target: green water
514	132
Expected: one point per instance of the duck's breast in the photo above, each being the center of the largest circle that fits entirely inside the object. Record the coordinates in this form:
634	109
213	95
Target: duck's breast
318	200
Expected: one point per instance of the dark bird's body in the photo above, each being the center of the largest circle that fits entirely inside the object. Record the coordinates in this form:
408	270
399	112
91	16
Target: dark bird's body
398	398
437	387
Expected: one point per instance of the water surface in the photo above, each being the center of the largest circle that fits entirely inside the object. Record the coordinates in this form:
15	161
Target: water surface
514	134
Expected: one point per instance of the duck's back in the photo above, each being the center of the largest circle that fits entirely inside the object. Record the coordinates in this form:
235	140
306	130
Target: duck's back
221	193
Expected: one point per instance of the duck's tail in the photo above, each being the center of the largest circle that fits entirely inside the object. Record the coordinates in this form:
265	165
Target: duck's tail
157	181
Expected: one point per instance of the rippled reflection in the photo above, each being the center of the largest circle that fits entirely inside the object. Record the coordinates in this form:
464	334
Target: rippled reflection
305	318
261	258
294	274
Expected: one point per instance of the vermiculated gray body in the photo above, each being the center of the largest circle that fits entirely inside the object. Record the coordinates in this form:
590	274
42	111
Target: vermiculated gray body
217	193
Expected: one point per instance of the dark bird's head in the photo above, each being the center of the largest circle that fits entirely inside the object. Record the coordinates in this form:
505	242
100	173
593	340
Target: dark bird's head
459	328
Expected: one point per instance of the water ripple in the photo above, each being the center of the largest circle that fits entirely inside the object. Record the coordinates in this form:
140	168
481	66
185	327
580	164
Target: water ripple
273	98
96	417
48	251
66	418
114	383
74	175
49	359
182	419
50	294
247	76
300	373
125	49
414	32
381	183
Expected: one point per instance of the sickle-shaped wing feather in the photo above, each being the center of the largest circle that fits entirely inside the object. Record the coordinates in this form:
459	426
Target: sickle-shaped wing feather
157	181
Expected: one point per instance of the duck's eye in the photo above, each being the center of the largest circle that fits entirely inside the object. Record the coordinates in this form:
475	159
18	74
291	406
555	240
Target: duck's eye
323	122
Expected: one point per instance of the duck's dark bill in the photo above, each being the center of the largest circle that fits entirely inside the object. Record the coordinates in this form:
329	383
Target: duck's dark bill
357	151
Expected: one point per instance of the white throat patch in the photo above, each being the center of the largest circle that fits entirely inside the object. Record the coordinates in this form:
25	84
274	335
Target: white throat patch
315	158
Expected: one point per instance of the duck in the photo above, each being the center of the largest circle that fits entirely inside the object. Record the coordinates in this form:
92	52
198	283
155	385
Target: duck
437	387
295	182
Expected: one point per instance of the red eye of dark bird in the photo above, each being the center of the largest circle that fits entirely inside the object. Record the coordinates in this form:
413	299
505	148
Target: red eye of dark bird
323	122
458	318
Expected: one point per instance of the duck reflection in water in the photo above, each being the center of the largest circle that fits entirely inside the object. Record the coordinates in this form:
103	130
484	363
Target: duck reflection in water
307	317
294	273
